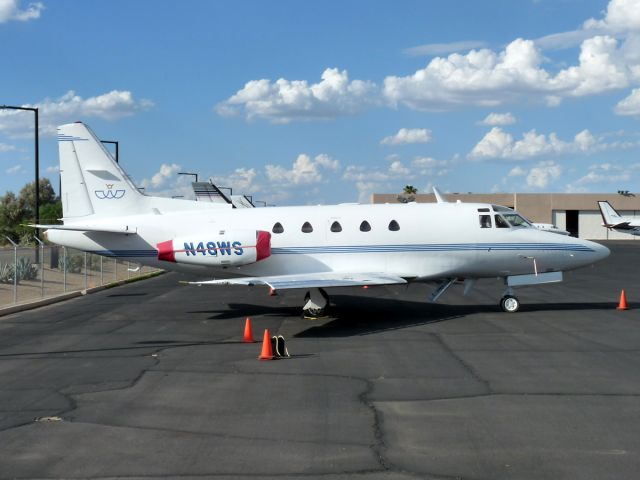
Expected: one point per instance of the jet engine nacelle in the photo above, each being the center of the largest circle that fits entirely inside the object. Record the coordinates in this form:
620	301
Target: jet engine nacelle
220	249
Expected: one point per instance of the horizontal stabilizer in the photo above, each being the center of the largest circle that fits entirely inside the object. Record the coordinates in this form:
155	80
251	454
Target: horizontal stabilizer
621	226
89	228
311	280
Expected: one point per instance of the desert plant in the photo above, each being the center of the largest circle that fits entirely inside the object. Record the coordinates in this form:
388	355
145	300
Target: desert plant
25	270
6	273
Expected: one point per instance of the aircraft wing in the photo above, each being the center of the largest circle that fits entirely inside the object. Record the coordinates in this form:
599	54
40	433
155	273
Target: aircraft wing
311	280
78	227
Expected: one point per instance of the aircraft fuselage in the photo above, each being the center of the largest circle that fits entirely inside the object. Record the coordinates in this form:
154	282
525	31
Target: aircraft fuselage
425	241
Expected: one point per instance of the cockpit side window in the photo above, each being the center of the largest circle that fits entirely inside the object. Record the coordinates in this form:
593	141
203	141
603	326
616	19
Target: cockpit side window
501	222
485	221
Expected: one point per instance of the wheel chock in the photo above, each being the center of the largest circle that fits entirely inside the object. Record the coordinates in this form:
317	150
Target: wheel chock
279	347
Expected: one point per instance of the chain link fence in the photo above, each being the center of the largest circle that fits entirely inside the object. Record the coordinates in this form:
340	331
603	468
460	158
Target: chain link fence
34	273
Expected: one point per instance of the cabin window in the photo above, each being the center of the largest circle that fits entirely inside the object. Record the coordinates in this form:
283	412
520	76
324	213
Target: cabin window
307	228
336	227
277	228
393	226
364	226
485	221
501	222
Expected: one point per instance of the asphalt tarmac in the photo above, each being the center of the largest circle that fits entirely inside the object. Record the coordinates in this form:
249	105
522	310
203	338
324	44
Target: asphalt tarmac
151	380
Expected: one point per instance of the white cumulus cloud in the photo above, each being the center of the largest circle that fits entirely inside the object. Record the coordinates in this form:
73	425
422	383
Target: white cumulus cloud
602	173
517	172
6	148
242	180
71	107
406	136
609	59
630	105
163	176
487	78
283	100
430	166
15	169
496	119
498	144
622	16
544	173
10	10
304	170
444	48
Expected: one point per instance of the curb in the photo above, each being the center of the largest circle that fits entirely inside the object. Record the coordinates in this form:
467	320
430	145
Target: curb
69	295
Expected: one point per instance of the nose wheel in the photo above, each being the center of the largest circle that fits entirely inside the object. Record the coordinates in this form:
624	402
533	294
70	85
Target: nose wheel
509	304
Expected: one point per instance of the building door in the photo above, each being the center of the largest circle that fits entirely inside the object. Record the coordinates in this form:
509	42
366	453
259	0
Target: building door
572	222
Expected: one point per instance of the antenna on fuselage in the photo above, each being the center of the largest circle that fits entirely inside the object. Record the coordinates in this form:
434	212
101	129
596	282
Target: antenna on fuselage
439	197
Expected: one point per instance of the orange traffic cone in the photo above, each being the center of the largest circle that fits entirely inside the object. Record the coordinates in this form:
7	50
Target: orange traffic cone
622	305
267	350
272	292
248	334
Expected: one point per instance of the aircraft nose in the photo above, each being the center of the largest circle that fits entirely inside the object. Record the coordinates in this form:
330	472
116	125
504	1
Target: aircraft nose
600	252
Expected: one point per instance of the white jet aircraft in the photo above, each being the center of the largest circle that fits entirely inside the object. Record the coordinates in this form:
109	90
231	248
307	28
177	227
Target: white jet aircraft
614	221
307	247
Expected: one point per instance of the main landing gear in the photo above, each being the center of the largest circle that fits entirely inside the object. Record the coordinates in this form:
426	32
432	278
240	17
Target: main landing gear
509	302
316	302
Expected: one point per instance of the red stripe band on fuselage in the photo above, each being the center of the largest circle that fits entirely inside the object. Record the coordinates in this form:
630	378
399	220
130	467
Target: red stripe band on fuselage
263	245
166	252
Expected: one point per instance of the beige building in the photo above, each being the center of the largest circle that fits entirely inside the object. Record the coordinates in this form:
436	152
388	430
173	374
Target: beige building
577	213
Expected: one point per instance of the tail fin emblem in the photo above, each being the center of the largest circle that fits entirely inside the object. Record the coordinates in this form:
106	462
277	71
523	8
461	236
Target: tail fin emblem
109	193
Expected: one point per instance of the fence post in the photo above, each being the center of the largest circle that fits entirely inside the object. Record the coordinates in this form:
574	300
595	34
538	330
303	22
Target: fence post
115	269
15	269
85	270
64	269
41	266
101	271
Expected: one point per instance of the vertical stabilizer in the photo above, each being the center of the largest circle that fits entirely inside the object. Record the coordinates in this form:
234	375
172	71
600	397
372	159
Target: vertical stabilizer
609	214
439	197
92	182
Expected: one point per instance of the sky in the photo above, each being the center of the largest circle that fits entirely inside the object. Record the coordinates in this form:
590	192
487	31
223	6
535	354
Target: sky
300	103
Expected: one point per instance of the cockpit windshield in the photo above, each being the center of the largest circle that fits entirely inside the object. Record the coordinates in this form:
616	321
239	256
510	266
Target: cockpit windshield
514	219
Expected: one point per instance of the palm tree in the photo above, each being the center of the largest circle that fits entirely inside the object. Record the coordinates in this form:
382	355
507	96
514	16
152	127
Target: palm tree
408	194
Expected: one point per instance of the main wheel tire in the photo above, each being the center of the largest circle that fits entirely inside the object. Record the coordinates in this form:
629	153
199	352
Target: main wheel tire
509	304
313	313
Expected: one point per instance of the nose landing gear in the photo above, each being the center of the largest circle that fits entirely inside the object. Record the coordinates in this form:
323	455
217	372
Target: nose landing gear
316	302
